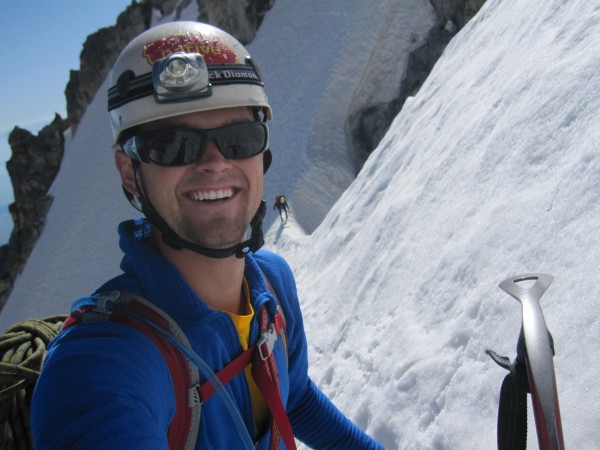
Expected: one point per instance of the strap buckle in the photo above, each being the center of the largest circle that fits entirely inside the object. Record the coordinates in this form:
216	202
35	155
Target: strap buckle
193	396
266	342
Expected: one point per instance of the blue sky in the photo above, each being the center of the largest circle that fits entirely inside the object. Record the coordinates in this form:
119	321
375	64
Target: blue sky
40	43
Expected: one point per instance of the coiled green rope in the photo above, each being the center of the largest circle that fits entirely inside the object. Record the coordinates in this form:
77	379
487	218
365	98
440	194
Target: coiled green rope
22	351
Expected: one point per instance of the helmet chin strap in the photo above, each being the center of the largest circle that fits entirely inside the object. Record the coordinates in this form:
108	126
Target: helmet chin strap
173	240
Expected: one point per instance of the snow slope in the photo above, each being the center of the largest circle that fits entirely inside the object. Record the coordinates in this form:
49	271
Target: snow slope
492	170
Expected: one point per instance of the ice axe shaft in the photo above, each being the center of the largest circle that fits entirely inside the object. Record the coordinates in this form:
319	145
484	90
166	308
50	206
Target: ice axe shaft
539	357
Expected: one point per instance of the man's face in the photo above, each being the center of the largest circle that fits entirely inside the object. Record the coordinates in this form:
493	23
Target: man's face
212	201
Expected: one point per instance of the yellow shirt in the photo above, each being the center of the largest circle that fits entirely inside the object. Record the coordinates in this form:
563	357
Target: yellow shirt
242	325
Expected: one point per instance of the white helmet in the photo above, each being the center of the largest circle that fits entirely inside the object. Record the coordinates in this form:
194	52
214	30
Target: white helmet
178	68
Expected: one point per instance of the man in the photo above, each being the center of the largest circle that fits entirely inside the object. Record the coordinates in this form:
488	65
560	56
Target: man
282	207
188	113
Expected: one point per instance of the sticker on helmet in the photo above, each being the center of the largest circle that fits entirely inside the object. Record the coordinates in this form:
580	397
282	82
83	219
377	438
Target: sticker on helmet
213	49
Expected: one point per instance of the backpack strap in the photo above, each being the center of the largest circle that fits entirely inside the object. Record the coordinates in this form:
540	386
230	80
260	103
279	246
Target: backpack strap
266	376
183	429
189	394
264	372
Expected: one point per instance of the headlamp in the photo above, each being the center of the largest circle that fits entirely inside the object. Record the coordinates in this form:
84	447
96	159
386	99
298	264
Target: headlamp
180	76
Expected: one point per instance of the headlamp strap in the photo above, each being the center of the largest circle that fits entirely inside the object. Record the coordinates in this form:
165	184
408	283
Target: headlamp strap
130	88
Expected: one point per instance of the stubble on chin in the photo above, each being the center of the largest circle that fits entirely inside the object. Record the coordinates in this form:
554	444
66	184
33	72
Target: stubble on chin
218	233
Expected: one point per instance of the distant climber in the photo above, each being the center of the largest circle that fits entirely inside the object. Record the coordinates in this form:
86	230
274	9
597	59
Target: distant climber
282	207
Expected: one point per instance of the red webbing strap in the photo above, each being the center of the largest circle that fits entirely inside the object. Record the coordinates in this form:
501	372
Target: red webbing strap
265	375
227	373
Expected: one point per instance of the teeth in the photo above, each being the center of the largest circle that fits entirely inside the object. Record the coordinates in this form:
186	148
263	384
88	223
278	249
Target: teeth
213	195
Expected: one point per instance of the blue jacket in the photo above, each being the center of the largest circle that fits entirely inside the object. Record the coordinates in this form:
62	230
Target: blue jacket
106	385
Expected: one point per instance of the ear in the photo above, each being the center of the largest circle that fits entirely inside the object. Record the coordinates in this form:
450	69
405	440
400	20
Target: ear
125	168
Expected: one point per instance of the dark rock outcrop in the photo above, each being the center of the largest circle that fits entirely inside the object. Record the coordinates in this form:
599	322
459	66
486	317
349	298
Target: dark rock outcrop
33	166
366	126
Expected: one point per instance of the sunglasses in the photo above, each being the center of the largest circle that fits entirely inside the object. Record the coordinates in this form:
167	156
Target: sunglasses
183	146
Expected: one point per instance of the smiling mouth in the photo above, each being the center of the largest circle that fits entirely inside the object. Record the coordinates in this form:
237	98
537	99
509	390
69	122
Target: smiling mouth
213	195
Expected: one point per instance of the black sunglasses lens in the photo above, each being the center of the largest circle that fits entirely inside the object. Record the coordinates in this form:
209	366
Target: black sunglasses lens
242	140
180	147
173	147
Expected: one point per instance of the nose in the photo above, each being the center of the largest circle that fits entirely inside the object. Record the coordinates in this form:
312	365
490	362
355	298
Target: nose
212	159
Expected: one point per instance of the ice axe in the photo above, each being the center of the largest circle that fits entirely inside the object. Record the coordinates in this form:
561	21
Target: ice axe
531	372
